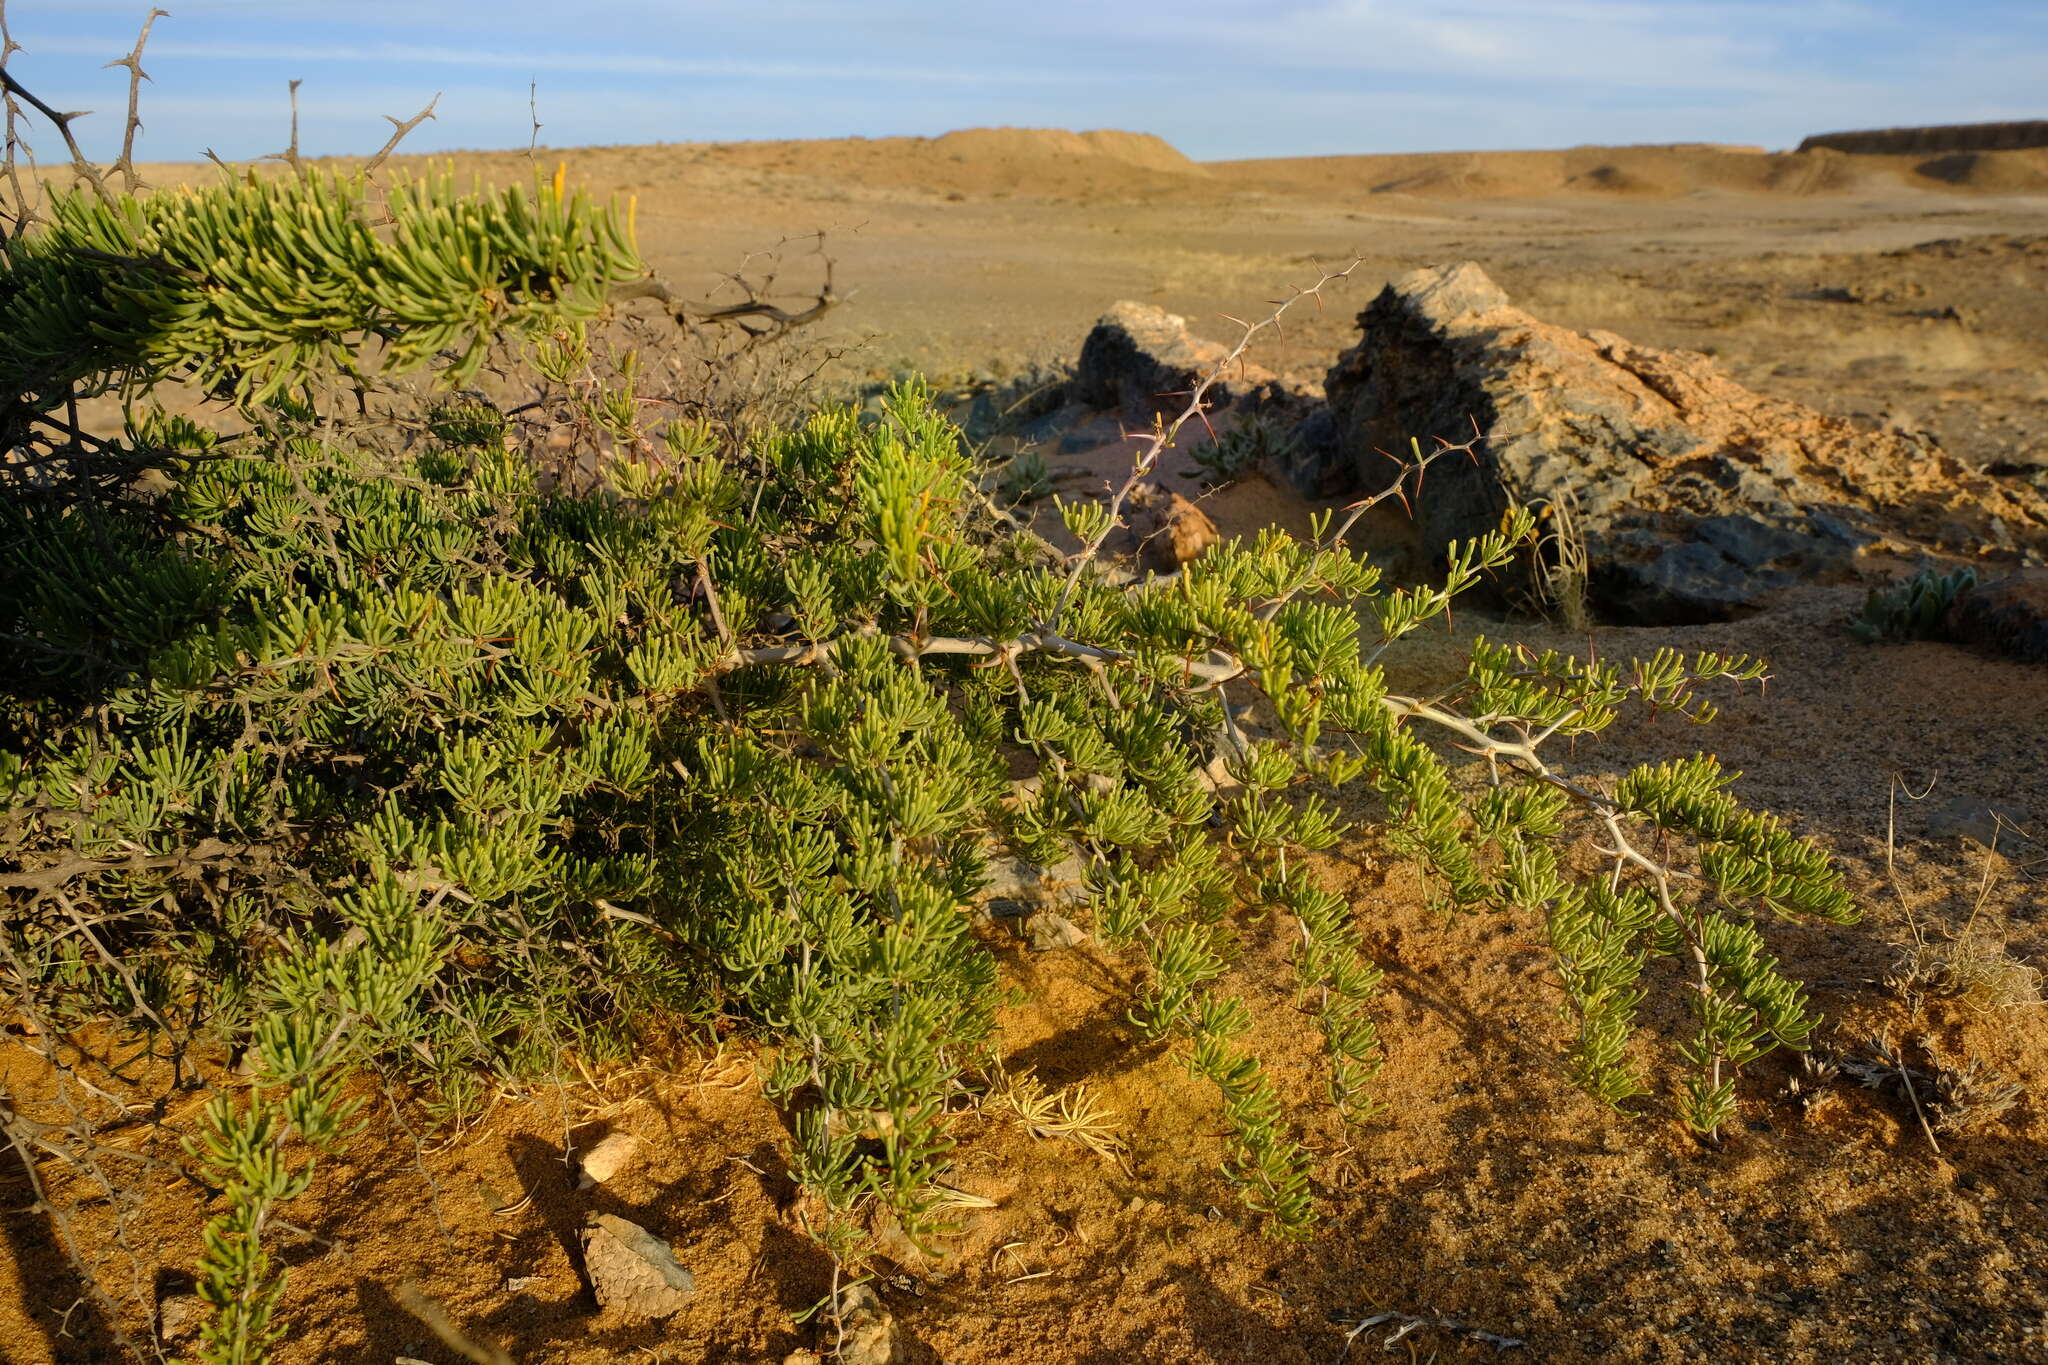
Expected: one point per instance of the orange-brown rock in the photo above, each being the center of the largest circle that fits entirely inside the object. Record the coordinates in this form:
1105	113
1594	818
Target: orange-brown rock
1169	530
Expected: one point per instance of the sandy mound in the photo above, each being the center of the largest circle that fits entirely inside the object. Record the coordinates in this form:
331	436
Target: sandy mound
1992	172
1645	172
970	163
1108	165
1142	150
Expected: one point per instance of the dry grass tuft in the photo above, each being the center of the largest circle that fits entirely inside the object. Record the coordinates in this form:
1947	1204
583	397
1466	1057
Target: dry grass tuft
1945	1097
1971	1095
1071	1113
1970	968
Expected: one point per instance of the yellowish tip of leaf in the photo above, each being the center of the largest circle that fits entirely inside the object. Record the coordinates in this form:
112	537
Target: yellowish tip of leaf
561	177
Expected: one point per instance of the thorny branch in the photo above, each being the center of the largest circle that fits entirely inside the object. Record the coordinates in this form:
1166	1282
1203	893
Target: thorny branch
82	166
756	313
125	166
49	880
1146	458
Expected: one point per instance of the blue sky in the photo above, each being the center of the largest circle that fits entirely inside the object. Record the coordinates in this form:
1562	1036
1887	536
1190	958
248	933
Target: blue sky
1247	78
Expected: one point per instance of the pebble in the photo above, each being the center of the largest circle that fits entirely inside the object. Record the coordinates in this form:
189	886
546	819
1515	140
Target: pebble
179	1318
632	1271
1969	817
1047	930
610	1156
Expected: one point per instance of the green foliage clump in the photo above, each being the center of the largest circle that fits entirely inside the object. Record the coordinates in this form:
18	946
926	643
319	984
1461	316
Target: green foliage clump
251	286
1914	608
1241	449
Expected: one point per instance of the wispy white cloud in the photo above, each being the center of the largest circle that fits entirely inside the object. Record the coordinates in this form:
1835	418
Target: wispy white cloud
552	63
1218	77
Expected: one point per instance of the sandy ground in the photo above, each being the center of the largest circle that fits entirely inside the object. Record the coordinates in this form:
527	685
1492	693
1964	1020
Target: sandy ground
1001	250
1490	1193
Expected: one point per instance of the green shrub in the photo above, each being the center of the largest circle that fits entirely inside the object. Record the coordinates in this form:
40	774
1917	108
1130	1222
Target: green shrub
404	762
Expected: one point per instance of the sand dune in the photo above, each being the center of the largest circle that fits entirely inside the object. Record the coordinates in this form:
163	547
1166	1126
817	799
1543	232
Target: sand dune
971	161
1107	165
1143	150
1104	163
1654	171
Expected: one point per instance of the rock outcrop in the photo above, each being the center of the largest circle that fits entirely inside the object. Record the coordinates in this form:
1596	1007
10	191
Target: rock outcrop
1696	496
1143	360
2008	616
1947	137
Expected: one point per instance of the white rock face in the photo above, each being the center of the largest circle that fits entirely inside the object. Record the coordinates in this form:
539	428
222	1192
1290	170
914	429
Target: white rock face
606	1159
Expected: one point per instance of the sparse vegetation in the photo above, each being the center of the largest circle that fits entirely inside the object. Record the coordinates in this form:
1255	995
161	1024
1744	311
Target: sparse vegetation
1968	968
1241	448
1025	478
362	762
1914	608
1560	564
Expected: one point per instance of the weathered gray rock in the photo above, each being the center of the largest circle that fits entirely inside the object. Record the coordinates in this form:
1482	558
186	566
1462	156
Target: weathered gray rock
1985	822
634	1273
1143	360
1689	488
1050	428
2008	616
1693	581
1754	544
1731	565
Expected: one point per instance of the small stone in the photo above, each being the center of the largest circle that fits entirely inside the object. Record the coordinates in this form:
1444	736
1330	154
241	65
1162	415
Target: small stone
633	1272
179	1318
1047	930
1984	822
1169	529
984	418
867	1330
1217	769
606	1159
1016	879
